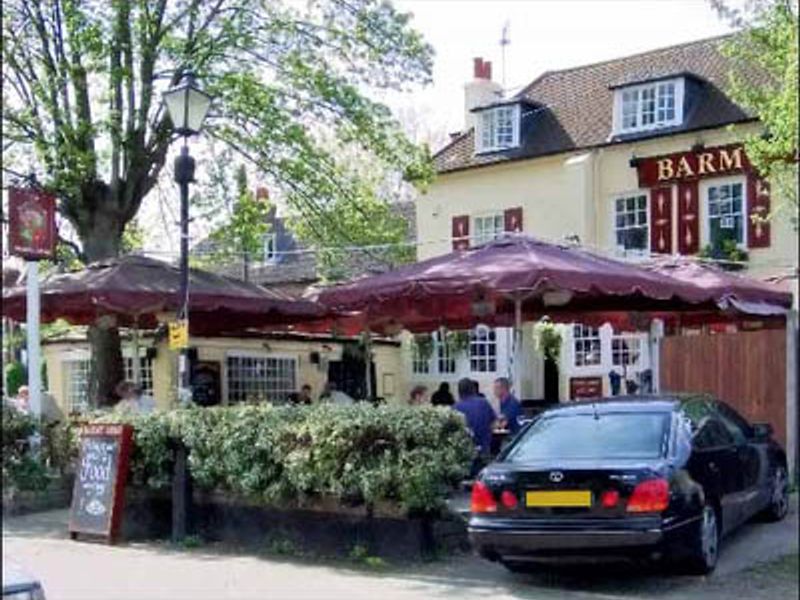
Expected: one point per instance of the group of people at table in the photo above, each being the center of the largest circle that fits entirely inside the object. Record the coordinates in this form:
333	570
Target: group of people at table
479	413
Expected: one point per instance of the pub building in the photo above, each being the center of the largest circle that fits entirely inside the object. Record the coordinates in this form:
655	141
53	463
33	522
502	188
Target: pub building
633	157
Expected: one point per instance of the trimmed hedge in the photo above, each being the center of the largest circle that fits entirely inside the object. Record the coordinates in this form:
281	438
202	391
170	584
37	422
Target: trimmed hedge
359	454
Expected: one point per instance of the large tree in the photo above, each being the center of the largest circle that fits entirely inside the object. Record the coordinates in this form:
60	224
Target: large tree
767	38
82	81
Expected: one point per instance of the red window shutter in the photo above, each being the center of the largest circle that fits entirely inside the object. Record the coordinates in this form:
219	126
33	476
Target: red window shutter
513	220
688	218
661	220
758	205
461	232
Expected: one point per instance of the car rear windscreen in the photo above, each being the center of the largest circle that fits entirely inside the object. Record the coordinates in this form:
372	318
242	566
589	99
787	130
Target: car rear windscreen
609	435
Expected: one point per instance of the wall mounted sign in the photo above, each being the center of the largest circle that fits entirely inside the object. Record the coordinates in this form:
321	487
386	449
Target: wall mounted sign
100	478
178	335
31	223
681	166
585	387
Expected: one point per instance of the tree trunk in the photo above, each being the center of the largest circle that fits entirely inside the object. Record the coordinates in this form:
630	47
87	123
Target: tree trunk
102	241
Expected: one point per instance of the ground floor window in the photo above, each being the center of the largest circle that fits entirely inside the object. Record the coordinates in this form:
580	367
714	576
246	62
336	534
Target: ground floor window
487	228
445	359
586	342
625	351
145	373
420	359
76	377
261	378
483	350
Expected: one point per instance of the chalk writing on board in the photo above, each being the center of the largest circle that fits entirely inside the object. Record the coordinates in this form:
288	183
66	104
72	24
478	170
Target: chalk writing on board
96	474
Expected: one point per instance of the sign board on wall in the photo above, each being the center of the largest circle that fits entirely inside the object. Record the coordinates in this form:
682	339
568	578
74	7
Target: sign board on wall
719	161
100	478
585	387
31	223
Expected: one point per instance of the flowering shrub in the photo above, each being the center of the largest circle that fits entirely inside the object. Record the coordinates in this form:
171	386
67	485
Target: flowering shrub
359	454
21	470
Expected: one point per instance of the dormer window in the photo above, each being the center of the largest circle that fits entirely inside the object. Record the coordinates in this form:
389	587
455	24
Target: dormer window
648	106
497	128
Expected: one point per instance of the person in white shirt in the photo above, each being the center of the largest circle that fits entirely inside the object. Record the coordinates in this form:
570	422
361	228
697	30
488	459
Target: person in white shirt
133	399
333	396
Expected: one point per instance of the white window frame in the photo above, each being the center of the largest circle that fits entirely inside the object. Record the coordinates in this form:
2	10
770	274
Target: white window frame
654	87
484	238
487	128
586	334
634	345
445	360
418	365
621	250
243	354
145	369
483	337
705	187
270	254
68	363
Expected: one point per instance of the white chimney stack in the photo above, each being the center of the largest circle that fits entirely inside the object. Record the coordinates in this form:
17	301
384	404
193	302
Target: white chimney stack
480	91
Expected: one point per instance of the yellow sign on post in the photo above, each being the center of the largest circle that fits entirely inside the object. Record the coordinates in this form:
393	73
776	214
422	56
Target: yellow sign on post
179	335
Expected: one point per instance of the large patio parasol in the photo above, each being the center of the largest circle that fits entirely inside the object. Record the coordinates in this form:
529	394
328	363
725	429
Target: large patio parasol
731	291
137	290
512	278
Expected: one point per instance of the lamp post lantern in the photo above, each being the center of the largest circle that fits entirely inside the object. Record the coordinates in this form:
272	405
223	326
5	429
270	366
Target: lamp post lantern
187	106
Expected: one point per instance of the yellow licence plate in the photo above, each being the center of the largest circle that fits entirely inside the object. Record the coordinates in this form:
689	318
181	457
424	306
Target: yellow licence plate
565	498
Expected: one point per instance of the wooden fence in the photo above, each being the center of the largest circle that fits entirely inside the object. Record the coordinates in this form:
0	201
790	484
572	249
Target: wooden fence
745	369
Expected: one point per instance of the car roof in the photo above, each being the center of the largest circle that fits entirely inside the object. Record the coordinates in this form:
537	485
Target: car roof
632	404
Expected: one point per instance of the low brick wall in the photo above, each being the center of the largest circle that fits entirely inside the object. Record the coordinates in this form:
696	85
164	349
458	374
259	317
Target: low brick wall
21	502
322	527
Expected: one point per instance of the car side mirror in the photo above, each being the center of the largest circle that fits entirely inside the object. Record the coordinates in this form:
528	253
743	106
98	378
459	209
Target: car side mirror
762	431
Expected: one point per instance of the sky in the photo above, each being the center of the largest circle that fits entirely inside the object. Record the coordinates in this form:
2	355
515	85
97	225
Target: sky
544	35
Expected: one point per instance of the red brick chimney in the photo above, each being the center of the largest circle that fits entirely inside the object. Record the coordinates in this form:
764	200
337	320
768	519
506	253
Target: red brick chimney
482	69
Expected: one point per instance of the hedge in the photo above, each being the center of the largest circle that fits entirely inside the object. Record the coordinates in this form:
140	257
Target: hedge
21	470
359	454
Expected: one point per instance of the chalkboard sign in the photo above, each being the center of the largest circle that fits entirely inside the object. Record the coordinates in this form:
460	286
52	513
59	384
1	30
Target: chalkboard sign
100	478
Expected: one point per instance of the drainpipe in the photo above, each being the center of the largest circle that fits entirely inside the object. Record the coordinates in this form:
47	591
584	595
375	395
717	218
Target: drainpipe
654	341
792	367
517	353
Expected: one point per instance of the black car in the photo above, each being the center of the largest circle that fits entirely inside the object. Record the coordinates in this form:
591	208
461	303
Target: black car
635	476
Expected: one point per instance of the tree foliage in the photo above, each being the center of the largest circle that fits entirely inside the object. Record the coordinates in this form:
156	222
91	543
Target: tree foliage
82	81
768	39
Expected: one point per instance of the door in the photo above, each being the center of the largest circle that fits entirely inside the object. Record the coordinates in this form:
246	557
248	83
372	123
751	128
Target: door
714	464
551	381
752	461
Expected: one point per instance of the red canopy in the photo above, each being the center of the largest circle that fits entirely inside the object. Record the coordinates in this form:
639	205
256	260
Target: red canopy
483	284
135	289
730	290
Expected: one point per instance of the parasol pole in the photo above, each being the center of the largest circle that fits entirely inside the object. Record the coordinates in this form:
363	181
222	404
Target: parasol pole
368	362
517	346
34	348
136	360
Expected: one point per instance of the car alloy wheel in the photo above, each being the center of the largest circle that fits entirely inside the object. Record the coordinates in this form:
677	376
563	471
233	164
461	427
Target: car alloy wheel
780	494
709	536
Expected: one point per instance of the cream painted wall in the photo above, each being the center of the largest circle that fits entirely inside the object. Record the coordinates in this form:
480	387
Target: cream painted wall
554	196
391	383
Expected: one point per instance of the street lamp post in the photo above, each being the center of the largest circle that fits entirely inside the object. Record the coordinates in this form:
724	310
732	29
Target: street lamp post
187	106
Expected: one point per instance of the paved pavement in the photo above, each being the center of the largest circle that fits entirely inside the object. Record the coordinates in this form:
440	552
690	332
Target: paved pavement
84	571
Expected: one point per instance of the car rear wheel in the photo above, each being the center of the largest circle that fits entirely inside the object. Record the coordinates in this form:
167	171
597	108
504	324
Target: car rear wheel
779	497
704	550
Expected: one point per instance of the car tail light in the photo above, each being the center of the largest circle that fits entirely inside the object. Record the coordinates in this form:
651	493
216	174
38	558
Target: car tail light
609	499
649	496
508	499
482	499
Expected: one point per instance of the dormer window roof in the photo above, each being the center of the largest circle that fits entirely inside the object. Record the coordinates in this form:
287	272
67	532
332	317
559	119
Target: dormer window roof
648	106
497	127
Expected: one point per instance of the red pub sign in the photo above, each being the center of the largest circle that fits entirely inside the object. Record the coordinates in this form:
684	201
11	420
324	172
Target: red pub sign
682	171
31	223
